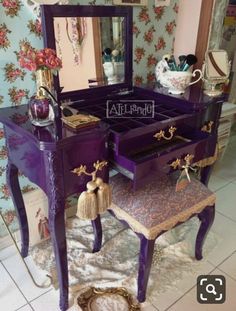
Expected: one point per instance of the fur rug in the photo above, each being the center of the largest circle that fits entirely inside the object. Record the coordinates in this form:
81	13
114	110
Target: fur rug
117	262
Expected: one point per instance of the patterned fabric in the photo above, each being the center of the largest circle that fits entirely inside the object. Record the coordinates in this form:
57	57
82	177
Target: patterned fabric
156	206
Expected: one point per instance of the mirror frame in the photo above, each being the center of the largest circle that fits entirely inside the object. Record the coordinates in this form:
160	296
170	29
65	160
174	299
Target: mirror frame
51	11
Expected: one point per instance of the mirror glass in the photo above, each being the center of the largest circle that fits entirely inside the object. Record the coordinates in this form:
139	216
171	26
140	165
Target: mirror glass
95	45
217	64
91	49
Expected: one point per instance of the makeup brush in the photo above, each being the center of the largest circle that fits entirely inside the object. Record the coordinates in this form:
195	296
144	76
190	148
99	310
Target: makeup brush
190	60
182	59
107	54
172	64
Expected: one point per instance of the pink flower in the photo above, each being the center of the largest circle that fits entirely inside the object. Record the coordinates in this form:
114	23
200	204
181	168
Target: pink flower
33	60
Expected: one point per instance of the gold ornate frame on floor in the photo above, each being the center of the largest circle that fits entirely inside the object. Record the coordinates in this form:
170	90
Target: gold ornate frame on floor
85	299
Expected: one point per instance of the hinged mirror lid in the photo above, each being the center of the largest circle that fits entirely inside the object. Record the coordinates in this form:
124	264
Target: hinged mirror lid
95	44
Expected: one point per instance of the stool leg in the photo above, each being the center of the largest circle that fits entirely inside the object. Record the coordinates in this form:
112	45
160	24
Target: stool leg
145	262
206	217
97	229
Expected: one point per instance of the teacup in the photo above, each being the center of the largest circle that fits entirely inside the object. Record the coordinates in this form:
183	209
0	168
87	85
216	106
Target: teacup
178	81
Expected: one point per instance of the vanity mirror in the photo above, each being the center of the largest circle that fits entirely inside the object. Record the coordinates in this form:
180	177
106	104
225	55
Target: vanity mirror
216	70
95	45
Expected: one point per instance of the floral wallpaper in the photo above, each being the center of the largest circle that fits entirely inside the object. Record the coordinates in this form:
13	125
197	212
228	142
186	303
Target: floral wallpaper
153	34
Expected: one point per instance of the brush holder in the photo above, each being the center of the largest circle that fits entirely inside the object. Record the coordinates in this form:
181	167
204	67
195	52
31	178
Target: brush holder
178	81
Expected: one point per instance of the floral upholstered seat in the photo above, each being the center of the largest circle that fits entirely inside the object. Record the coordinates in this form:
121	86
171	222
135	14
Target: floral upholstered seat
157	207
154	209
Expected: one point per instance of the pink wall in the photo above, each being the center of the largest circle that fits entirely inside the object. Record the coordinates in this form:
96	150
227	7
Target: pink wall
75	76
187	27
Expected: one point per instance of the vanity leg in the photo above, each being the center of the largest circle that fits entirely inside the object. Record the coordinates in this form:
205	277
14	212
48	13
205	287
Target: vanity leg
97	229
206	217
145	262
206	174
56	198
16	195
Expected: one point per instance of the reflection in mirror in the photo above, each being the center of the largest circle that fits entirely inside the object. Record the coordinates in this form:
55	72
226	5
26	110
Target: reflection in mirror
95	43
216	70
91	49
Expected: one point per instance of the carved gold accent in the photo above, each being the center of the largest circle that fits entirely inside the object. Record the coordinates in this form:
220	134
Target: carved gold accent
207	127
161	134
176	164
82	169
188	159
85	299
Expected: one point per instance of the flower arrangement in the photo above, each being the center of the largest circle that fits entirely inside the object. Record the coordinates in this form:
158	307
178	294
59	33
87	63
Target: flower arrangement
34	60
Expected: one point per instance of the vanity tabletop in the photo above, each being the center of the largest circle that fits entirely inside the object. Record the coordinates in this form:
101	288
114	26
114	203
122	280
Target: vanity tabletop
49	137
194	96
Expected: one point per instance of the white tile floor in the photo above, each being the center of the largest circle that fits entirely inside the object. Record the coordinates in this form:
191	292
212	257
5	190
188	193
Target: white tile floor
17	292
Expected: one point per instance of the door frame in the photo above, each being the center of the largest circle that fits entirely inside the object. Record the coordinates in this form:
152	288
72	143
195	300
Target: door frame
207	10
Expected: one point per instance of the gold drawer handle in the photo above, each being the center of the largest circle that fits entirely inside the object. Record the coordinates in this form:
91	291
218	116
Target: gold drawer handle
177	163
188	159
161	134
207	127
83	169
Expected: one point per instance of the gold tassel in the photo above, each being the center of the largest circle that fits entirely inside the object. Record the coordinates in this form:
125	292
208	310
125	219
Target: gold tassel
87	203
103	195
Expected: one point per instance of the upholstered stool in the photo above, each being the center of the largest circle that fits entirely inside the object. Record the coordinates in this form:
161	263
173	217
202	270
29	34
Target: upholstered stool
156	208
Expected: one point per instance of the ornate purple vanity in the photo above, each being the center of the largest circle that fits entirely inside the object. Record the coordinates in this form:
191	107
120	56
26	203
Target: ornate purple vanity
134	146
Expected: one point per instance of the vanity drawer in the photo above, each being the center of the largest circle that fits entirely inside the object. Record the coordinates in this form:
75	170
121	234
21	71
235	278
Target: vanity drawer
157	157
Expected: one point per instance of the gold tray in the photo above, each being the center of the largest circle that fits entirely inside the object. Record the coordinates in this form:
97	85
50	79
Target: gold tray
87	299
78	121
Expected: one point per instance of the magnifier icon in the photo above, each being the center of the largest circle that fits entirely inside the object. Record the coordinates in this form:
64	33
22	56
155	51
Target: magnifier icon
210	288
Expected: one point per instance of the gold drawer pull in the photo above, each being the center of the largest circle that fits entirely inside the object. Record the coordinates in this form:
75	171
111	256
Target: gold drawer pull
207	127
161	134
177	163
188	159
83	169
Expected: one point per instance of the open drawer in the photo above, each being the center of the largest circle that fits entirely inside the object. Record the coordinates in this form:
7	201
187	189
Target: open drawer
158	156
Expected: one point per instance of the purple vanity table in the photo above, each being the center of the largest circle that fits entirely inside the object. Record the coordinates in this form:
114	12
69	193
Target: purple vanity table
47	155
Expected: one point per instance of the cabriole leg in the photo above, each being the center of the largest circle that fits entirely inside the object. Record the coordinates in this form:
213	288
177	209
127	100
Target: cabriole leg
16	195
56	211
145	262
206	217
97	229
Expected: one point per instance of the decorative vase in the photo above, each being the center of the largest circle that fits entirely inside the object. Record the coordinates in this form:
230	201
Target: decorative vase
41	106
109	71
44	77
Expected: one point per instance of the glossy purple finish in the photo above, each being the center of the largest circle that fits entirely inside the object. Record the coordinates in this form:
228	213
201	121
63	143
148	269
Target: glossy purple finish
47	156
206	217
